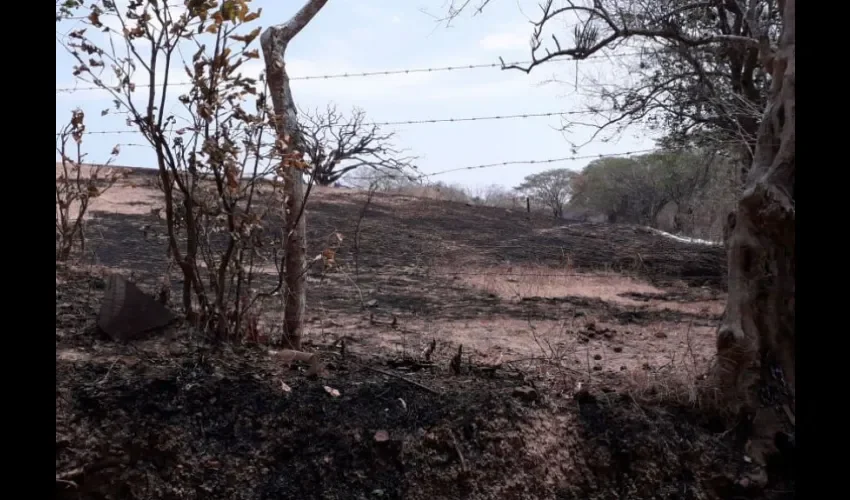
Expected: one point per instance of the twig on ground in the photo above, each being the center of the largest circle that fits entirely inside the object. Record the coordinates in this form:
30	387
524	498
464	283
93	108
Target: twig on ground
65	477
105	377
411	382
372	188
552	361
457	449
70	483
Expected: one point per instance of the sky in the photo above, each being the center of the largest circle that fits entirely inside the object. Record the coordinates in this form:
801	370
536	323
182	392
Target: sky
349	36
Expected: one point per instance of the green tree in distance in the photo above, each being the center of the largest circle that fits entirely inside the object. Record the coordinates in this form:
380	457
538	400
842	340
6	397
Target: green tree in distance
551	188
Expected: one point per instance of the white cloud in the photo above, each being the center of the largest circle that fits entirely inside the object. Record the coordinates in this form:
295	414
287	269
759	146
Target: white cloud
505	41
395	20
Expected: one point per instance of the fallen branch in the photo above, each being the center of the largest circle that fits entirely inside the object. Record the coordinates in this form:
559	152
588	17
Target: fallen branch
65	477
67	482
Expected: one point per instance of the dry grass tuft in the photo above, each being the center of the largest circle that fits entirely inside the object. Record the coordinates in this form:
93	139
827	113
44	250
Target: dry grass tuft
517	282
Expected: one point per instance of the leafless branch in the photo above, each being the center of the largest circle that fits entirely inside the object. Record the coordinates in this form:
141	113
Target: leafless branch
336	145
703	71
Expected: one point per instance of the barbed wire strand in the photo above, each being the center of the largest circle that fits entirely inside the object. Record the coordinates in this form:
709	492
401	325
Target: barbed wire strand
366	74
535	162
425	121
510	163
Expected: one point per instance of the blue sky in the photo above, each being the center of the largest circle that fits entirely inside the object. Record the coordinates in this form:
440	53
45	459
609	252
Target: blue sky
373	35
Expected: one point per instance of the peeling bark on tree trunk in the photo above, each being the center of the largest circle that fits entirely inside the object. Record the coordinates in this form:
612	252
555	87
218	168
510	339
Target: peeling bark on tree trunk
274	41
758	328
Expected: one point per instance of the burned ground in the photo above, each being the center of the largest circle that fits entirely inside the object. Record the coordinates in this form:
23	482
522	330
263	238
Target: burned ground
599	333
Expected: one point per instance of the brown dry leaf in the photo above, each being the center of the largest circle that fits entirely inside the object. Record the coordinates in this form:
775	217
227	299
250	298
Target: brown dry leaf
333	392
247	38
253	15
382	436
284	387
94	18
232	177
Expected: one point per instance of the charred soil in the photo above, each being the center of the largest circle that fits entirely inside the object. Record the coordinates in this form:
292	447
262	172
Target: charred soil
178	418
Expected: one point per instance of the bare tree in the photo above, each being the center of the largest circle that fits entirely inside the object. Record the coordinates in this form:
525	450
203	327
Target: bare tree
698	77
760	311
77	184
336	145
697	92
275	40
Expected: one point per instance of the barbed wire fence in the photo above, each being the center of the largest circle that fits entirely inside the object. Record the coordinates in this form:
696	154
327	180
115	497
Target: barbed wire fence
410	71
423	264
366	74
535	249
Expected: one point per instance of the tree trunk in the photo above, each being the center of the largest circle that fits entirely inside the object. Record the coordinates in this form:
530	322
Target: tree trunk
758	328
274	41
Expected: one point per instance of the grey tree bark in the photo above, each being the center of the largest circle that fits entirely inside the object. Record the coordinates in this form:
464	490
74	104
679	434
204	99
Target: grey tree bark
755	341
274	41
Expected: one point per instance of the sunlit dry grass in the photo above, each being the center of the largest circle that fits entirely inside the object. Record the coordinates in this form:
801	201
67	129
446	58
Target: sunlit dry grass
519	282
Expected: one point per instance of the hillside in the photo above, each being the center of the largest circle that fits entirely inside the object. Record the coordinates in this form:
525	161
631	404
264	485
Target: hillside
584	347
